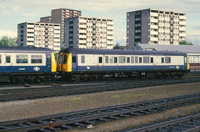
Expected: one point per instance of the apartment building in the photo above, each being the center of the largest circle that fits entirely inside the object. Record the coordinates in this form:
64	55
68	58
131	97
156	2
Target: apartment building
46	35
59	15
89	32
152	26
46	19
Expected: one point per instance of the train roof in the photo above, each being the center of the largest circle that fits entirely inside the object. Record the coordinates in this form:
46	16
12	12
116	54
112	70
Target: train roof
12	49
120	52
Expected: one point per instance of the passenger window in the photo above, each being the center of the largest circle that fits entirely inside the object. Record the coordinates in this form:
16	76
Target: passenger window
22	59
132	59
73	59
136	59
140	59
145	59
65	59
36	58
122	59
128	59
151	59
162	60
82	59
167	59
7	58
111	59
115	59
106	59
100	59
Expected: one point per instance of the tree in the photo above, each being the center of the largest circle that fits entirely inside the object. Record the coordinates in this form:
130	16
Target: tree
184	42
5	41
116	46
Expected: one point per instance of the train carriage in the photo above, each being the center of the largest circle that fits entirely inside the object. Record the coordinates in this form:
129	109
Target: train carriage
26	63
80	63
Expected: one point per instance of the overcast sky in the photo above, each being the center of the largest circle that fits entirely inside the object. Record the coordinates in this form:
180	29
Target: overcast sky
13	12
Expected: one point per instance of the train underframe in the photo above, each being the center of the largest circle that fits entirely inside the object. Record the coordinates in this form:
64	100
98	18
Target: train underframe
26	77
77	76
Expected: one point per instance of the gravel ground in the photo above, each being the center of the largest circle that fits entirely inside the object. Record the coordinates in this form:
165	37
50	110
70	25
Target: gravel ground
31	108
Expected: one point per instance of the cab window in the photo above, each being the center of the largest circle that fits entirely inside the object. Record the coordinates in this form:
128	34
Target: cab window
65	59
61	57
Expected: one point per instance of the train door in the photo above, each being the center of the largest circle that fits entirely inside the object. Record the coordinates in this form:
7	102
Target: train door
8	63
67	62
100	62
64	63
74	62
60	59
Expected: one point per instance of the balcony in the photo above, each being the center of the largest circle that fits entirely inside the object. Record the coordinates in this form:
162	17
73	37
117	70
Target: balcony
182	23
82	31
153	39
154	20
82	36
82	21
110	42
182	17
182	28
153	32
110	27
82	26
110	32
154	26
154	14
110	22
110	37
82	41
182	34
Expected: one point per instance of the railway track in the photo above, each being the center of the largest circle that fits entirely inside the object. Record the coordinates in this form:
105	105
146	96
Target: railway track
53	91
70	120
184	124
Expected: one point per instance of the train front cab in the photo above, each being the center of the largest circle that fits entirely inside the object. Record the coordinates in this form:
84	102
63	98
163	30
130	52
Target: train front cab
64	62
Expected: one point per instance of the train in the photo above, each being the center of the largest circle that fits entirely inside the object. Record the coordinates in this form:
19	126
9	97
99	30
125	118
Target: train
39	64
26	63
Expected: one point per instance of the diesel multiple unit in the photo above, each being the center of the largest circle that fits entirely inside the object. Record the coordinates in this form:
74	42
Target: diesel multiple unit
80	63
26	63
17	63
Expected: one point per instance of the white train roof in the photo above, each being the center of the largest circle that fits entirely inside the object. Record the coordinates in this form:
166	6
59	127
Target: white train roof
181	48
